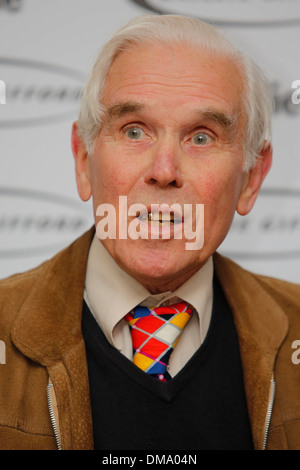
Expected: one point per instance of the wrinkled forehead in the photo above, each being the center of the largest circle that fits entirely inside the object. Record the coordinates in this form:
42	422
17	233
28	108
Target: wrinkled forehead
174	75
178	61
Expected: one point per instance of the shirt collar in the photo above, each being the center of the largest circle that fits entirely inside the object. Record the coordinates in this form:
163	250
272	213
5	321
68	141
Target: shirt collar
111	293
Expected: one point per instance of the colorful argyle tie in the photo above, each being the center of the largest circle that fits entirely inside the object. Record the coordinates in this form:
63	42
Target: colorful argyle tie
154	334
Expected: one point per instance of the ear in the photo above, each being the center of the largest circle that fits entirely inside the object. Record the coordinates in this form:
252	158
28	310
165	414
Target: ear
254	179
81	165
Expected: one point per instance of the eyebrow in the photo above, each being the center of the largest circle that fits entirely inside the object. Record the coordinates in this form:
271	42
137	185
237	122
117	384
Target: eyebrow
118	110
224	120
123	108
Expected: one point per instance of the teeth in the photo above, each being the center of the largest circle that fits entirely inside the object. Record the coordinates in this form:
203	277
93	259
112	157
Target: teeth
159	217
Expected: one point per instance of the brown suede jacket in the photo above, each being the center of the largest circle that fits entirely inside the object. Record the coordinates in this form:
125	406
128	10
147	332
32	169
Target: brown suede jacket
40	324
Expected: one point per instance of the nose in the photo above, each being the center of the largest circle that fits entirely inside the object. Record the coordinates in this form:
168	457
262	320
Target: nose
164	170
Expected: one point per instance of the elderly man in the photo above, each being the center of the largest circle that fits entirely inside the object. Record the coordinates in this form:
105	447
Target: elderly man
139	339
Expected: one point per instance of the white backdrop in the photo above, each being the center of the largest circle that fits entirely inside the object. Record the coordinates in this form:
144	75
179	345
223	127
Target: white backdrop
46	50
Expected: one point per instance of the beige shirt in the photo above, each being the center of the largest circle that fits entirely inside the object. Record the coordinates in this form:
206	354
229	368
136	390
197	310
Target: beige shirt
111	293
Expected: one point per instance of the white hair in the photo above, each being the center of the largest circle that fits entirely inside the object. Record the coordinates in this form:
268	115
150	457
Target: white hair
257	100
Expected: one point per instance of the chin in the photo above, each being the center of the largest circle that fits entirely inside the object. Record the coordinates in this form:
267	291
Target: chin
158	267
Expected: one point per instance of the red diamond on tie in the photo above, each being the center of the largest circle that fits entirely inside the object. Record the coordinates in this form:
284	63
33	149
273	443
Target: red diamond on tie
154	334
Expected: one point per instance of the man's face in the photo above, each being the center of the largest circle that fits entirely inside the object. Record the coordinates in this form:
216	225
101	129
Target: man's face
173	133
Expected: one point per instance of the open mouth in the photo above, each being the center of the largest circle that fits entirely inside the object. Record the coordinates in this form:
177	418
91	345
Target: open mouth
160	218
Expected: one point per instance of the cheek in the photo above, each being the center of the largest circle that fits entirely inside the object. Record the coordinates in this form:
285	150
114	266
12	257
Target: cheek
114	182
108	179
209	189
219	191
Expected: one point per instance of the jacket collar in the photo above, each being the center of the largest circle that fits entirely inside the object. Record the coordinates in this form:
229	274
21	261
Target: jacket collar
257	315
49	321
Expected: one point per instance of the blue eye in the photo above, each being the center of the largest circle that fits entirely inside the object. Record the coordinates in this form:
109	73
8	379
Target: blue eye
200	139
134	133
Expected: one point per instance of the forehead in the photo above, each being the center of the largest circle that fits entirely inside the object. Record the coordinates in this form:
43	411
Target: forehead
176	76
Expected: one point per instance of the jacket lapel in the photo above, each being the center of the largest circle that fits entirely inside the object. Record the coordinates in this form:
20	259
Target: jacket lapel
261	326
49	321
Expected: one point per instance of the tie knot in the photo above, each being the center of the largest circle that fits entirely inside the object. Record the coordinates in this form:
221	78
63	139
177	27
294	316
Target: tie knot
155	333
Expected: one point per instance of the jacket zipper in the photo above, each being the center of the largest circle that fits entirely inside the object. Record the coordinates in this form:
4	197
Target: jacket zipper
269	412
52	417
